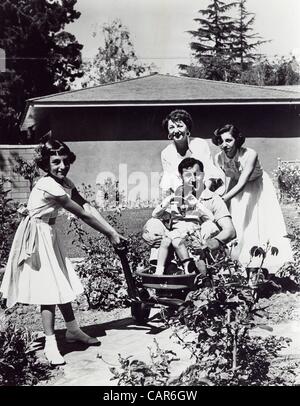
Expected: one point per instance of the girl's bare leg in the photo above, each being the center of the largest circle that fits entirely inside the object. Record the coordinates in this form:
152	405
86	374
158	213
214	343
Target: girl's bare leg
74	332
51	351
48	318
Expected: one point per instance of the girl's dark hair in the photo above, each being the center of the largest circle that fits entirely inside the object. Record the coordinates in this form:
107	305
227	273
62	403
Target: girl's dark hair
178	115
232	130
49	146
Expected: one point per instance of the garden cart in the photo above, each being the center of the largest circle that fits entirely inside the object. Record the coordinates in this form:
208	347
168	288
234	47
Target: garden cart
149	290
154	290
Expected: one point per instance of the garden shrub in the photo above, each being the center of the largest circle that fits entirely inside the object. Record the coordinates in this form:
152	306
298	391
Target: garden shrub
19	364
291	270
109	195
288	178
225	352
255	367
8	220
133	372
28	169
221	318
215	324
101	272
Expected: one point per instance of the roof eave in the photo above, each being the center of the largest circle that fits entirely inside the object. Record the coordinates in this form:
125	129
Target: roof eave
164	102
35	103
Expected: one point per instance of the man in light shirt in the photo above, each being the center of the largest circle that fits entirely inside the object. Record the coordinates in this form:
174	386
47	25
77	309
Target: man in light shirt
155	228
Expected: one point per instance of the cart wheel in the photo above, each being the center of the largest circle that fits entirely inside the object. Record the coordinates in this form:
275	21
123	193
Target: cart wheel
140	312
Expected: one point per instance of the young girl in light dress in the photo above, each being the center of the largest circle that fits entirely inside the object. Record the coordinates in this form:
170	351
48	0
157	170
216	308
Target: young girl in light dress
38	271
252	200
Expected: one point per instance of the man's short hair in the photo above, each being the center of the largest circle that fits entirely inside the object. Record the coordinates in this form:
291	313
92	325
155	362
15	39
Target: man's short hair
187	163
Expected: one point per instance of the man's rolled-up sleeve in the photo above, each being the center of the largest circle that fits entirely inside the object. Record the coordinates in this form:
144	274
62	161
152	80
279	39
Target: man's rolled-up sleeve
219	208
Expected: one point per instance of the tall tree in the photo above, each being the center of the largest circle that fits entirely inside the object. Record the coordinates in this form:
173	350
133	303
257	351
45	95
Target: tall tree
41	57
116	59
211	47
244	40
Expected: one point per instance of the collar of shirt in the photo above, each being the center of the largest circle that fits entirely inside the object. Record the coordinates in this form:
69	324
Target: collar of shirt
186	152
206	195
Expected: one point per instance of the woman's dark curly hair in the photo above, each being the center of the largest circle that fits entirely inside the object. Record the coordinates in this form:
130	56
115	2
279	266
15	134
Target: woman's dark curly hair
232	130
178	115
49	146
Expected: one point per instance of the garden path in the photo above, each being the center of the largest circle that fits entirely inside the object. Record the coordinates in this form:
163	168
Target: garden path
85	368
90	366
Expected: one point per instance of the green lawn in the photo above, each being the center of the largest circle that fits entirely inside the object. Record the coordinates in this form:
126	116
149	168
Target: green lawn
132	219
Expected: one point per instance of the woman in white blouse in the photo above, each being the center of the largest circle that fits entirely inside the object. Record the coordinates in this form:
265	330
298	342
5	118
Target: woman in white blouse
178	126
252	201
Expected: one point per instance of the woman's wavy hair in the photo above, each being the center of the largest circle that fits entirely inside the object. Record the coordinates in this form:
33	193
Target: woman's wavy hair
232	130
50	146
178	115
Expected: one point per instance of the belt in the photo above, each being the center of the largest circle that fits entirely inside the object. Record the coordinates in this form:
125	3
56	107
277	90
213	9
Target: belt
49	221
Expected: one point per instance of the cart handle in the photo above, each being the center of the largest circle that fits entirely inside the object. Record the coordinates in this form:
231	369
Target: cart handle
121	250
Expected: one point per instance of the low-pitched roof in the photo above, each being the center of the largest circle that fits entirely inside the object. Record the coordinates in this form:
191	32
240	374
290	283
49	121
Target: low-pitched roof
292	88
167	89
157	90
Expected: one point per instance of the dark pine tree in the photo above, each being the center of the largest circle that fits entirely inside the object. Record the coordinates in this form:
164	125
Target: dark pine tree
212	43
244	40
41	58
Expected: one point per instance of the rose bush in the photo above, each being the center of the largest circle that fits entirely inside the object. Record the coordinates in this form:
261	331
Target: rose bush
288	178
